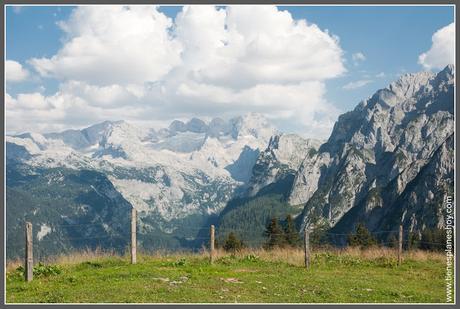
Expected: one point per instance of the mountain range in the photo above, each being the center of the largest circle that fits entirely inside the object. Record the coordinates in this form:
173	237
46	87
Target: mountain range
390	160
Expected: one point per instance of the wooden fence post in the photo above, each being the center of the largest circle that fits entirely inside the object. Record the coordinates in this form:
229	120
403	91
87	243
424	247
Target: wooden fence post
211	244
133	235
307	247
29	259
400	242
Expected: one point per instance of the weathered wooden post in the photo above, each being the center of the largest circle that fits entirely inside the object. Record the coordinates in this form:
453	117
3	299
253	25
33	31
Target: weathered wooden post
307	247
211	244
133	235
29	258
400	242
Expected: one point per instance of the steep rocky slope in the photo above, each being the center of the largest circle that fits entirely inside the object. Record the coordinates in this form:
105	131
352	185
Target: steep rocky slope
390	159
279	162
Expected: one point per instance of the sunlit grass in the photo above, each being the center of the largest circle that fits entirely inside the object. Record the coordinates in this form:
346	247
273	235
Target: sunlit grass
252	275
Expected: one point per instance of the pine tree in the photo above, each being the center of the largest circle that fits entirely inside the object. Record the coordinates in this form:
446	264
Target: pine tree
413	241
393	241
291	233
275	234
433	239
232	243
318	236
362	237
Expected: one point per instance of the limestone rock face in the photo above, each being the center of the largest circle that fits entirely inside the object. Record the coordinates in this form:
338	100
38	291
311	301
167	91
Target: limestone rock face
280	160
386	160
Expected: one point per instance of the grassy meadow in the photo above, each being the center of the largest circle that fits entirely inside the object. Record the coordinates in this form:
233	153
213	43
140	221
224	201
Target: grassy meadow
249	276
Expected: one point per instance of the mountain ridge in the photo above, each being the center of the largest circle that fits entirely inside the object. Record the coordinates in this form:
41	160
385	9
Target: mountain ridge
386	138
377	166
176	178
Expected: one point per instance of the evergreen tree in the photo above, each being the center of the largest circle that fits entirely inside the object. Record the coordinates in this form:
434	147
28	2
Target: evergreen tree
433	239
393	241
362	238
232	243
413	241
275	234
291	233
318	236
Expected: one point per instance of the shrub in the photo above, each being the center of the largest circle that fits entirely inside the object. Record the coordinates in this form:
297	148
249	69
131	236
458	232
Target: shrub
92	264
42	270
180	262
251	258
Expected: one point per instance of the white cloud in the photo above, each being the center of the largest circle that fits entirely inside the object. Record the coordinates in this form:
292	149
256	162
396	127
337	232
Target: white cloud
358	57
357	84
61	111
246	45
134	63
113	44
442	51
380	75
15	72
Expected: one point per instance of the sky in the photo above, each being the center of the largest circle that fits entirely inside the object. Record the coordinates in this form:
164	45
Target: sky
300	66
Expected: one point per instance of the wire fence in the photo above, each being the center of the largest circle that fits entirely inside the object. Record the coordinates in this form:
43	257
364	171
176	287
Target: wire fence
81	235
202	235
59	239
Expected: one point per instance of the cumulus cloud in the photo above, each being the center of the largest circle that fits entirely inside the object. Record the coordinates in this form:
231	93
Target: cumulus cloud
442	51
357	84
248	45
113	44
14	71
59	111
135	63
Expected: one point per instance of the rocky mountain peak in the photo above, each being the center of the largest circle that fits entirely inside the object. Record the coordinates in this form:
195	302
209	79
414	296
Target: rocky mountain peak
386	140
197	125
408	84
177	126
252	124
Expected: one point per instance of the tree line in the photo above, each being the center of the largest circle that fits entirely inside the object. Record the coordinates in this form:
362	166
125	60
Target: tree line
284	233
277	234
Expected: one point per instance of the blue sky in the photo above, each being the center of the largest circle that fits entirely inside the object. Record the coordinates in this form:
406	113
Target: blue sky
390	37
378	44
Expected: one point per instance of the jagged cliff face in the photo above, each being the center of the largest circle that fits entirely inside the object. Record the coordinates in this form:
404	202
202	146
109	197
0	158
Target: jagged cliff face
385	161
279	162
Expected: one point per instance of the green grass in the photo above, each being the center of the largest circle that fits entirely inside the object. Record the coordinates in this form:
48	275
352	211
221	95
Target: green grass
332	278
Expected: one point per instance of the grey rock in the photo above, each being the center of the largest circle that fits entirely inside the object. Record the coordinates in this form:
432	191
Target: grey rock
377	151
